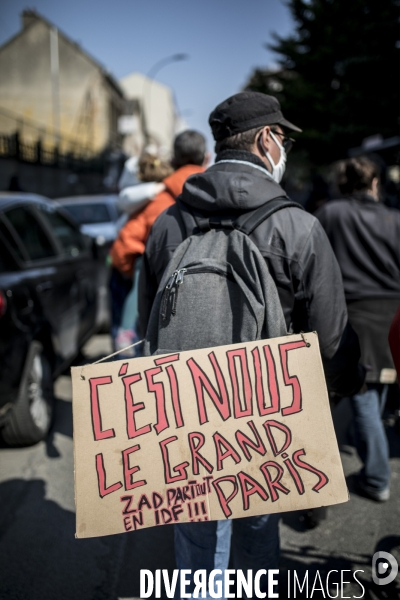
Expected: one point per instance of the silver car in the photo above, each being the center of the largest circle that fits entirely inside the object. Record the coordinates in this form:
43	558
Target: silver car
98	216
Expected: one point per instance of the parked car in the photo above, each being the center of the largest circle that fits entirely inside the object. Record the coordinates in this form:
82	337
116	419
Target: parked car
49	298
97	215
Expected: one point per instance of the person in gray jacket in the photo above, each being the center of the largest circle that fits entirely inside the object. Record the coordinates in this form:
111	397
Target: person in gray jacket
252	142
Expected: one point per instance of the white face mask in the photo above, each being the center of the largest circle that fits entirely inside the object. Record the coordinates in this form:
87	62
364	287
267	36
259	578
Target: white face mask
279	168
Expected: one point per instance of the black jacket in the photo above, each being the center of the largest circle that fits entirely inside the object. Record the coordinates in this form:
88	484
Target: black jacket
365	237
294	246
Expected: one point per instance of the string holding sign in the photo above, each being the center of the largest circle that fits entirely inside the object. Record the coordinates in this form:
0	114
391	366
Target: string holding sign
111	355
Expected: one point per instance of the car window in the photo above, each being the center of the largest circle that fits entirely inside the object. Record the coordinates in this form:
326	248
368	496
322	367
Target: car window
7	262
86	214
70	238
33	236
10	241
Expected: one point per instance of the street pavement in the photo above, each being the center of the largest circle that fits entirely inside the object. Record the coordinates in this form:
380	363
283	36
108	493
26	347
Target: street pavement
40	559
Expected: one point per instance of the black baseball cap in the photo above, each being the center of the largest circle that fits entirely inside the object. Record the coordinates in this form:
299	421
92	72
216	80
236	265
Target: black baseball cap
245	111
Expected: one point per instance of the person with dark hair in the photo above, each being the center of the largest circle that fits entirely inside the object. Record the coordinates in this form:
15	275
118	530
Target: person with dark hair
189	149
252	142
365	236
358	176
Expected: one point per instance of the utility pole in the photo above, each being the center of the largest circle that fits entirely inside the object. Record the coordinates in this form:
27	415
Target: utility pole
55	83
147	87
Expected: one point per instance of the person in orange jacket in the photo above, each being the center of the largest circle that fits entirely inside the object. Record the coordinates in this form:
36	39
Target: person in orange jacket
189	157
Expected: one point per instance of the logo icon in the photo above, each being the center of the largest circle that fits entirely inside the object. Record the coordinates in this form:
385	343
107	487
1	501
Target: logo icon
384	568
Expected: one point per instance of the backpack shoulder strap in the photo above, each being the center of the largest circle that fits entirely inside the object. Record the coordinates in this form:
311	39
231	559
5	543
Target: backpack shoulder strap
193	221
189	218
185	219
248	222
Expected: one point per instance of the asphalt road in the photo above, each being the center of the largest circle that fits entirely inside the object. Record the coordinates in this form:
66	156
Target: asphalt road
40	559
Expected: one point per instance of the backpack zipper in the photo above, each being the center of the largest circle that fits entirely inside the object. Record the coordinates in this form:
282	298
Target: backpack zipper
167	292
176	281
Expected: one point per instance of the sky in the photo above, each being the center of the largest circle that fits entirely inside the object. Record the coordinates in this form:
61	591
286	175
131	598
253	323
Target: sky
223	39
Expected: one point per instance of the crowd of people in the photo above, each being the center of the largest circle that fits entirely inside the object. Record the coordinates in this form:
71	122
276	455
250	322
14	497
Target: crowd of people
336	272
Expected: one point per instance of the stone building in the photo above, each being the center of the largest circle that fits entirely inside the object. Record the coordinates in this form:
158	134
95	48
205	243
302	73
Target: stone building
151	115
53	90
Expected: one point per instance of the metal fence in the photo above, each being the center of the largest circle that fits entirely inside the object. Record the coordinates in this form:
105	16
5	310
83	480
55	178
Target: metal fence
25	141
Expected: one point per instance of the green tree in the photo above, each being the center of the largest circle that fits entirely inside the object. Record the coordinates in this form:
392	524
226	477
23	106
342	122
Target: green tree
339	73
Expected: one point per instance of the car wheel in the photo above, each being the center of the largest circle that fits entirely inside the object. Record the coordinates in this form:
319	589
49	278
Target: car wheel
30	418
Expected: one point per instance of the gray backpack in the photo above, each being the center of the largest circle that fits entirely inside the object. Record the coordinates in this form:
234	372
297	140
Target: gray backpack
216	289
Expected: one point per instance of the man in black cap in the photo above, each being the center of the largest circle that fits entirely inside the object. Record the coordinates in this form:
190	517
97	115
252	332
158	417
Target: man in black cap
252	142
240	122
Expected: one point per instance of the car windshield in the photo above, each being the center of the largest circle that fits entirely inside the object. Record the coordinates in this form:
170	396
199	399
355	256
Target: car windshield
89	213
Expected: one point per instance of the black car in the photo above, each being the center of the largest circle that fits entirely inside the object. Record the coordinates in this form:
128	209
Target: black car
100	218
49	279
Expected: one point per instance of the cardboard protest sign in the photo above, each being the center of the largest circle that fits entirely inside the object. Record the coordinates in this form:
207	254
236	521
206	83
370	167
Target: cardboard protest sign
208	434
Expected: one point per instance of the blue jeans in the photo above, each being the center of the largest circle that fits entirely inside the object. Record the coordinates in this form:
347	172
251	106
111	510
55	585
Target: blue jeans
120	288
371	442
207	545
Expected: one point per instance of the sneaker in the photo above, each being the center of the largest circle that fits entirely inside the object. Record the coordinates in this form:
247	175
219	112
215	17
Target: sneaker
124	339
377	495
